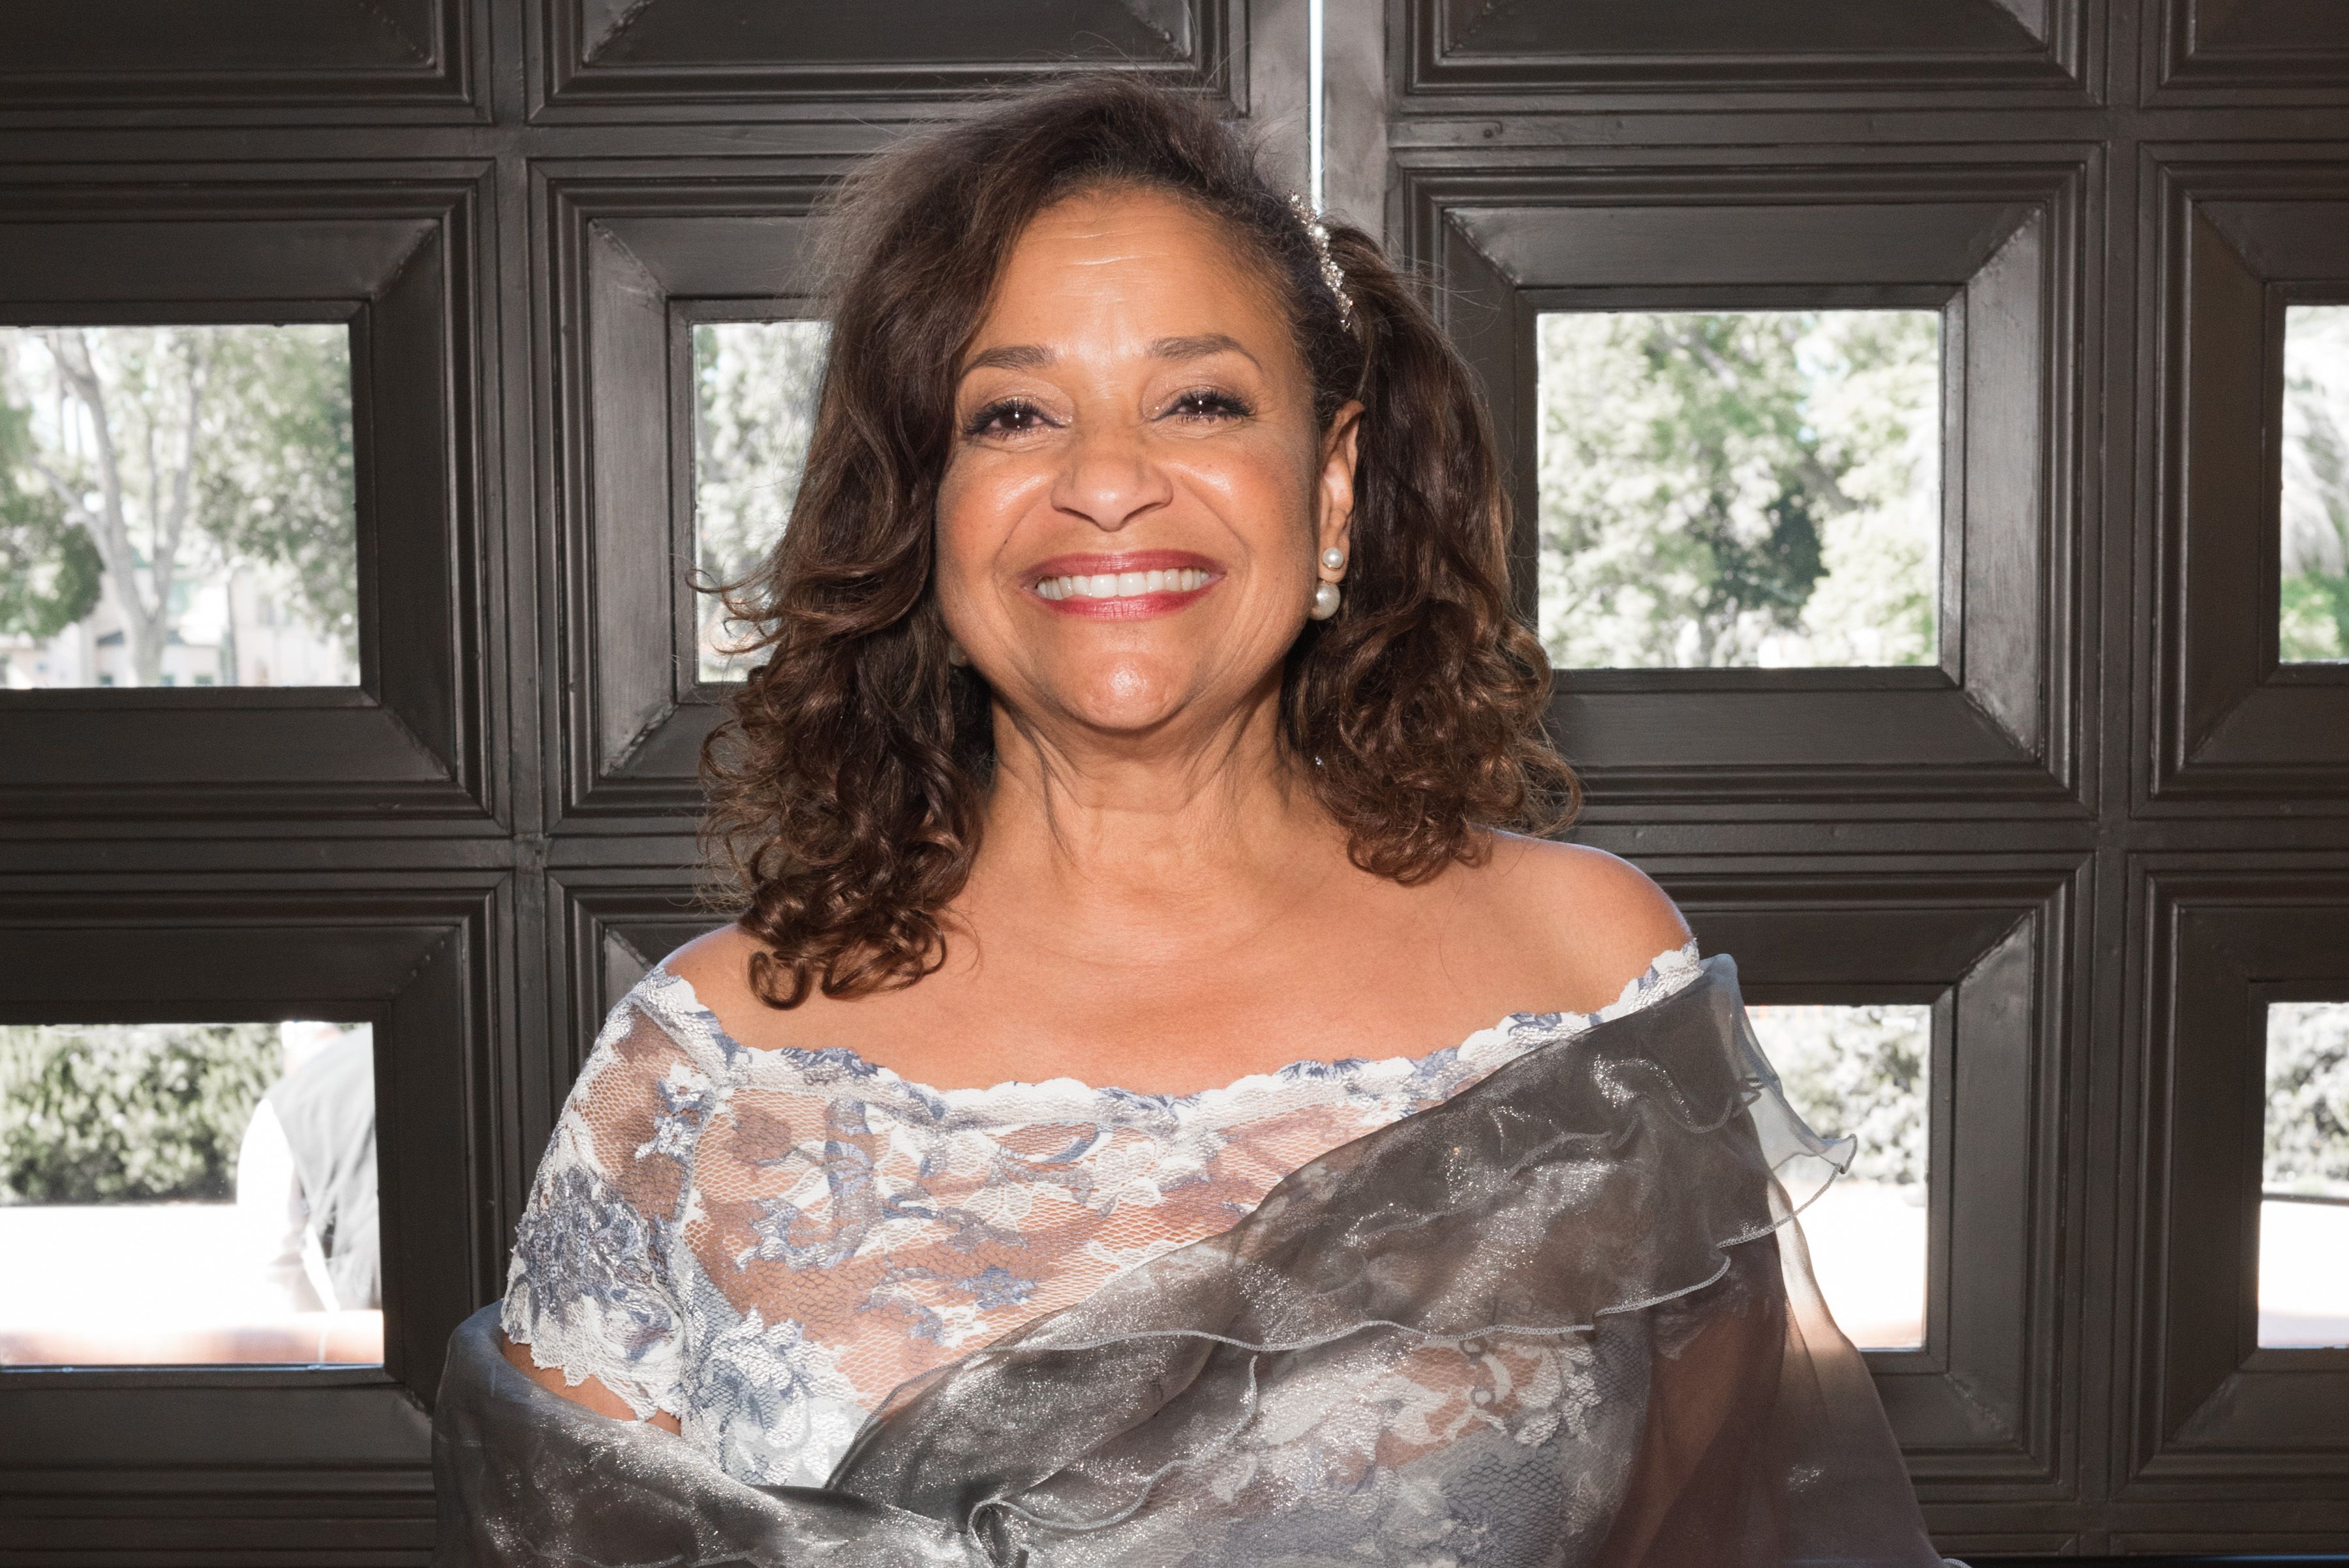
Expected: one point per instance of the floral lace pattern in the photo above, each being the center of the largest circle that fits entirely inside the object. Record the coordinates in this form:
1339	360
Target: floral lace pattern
764	1243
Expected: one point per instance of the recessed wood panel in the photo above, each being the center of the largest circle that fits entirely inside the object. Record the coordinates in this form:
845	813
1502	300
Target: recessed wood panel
2211	1408
1979	1403
692	57
2229	52
241	60
2228	724
1773	46
412	955
395	261
1998	251
638	259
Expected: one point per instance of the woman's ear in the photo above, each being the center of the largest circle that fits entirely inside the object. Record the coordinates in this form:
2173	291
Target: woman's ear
1334	509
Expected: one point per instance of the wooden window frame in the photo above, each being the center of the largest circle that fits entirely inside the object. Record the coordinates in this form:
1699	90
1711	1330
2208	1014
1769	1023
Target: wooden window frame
1710	55
1999	725
257	61
2211	1406
1979	1404
2277	54
636	262
709	75
2230	726
393	259
410	953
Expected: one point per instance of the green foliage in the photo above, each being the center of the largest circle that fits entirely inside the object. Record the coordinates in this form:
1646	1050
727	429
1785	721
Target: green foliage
2308	1098
49	569
276	484
2314	619
129	1113
1747	488
1861	1071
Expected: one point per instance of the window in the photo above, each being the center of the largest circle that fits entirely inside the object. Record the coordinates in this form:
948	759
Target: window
2314	623
1741	488
157	485
178	1194
754	392
2305	1177
1862	1072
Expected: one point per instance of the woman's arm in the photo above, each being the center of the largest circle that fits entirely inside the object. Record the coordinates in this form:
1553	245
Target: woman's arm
592	1393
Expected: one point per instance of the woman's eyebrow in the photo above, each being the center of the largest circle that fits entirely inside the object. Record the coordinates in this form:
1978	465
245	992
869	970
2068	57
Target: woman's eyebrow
1031	356
1011	357
1200	347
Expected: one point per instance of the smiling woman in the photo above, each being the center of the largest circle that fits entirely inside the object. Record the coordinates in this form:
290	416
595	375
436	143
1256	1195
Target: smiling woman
1154	1106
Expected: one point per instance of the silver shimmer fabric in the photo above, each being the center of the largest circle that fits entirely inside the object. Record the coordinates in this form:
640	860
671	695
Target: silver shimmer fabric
1562	1317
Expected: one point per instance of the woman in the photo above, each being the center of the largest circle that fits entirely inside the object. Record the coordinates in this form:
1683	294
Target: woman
1064	1158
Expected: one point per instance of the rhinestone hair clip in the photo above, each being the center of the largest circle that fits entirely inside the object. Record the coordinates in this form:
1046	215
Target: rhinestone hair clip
1332	274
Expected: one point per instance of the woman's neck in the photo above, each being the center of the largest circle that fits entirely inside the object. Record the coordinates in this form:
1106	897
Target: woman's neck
1153	840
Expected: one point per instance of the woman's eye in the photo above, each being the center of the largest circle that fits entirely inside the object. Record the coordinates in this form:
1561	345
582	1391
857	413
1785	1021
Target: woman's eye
1205	405
1009	416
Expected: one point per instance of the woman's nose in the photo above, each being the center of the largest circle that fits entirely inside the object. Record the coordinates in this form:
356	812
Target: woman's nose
1110	478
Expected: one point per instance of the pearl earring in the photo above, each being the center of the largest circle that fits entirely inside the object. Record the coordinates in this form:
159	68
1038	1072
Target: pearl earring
954	655
1334	558
1325	601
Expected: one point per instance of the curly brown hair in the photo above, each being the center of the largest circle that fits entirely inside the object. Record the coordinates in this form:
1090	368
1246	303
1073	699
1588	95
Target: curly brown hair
846	786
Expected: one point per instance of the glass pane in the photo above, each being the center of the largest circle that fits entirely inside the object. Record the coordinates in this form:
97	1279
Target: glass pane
177	507
175	1194
754	391
1862	1071
2315	605
1756	487
2305	1177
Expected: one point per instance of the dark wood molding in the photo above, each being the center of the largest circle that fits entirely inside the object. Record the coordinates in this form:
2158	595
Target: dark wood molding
2229	53
2002	249
251	61
215	1456
394	255
2240	239
1977	1406
712	59
1725	53
626	255
2213	1412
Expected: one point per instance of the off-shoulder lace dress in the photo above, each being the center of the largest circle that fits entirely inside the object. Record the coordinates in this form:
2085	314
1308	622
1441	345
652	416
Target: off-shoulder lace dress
763	1244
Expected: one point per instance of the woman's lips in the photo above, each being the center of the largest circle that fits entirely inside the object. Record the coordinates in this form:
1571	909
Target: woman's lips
1132	586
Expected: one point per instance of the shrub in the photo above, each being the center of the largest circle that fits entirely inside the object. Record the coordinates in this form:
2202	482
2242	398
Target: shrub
113	1113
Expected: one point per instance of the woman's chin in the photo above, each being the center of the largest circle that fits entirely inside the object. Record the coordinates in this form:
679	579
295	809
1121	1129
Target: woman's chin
1130	700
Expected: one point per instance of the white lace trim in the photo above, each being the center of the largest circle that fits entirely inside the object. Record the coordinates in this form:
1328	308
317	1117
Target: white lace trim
840	1073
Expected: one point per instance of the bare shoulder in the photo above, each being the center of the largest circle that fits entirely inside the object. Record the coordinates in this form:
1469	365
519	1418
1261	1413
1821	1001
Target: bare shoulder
717	964
1597	917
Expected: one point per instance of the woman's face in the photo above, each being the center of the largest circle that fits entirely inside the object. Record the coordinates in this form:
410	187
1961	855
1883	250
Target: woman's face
1128	526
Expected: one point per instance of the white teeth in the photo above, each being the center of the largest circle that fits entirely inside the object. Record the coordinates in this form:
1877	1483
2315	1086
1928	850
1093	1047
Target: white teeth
1123	584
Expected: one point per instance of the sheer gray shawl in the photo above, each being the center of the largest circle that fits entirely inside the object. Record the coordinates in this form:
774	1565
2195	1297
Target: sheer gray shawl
1564	1318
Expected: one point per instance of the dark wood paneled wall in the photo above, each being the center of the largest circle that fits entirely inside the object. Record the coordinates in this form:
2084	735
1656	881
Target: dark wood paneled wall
2098	836
2110	827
